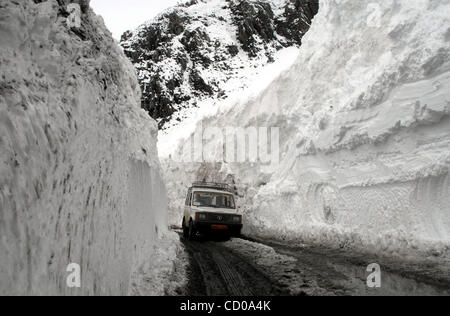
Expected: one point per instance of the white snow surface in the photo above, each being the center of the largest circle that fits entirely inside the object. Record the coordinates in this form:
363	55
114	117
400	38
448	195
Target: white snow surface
258	81
365	134
80	180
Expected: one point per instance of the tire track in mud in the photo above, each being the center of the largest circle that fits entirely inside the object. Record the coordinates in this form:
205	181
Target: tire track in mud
233	281
211	280
225	274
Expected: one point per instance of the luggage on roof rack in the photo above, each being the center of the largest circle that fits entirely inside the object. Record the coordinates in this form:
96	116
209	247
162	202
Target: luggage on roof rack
213	185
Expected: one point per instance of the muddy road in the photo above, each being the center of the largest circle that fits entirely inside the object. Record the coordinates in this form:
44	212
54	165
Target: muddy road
242	267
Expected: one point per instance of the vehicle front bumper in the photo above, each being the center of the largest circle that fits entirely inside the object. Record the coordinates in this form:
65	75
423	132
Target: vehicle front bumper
225	227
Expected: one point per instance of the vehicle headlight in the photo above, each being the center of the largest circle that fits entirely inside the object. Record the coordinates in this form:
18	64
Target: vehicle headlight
201	217
237	219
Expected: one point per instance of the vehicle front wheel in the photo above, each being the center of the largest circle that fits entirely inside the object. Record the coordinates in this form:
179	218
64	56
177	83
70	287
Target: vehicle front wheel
185	230
192	232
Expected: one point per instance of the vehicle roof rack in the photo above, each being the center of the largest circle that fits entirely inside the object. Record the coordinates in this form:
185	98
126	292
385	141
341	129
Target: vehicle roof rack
213	185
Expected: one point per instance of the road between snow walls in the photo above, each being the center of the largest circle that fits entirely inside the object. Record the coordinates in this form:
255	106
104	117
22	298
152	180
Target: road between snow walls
80	181
363	121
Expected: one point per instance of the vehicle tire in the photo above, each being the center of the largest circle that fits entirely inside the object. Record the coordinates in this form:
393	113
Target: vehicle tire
237	234
192	232
185	230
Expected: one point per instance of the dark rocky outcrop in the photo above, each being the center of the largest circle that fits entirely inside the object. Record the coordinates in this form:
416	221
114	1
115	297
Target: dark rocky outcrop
296	20
255	21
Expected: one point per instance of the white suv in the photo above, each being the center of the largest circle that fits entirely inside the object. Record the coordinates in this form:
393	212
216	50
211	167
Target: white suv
211	207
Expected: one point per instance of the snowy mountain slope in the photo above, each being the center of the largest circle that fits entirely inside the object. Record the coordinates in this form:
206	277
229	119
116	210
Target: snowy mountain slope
201	51
80	180
365	134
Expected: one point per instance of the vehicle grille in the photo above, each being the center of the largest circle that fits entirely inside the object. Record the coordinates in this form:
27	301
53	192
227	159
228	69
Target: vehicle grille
219	217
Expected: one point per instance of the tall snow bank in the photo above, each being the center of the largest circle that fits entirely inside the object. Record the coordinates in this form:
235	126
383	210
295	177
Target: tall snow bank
365	132
80	180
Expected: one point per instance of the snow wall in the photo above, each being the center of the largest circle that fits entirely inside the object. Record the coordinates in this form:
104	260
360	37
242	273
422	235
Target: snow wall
364	134
80	181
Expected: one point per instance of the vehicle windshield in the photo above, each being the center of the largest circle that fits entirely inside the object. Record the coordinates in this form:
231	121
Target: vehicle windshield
217	200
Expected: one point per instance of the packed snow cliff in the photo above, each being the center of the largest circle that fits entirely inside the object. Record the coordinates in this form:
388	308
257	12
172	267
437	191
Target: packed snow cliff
364	138
80	180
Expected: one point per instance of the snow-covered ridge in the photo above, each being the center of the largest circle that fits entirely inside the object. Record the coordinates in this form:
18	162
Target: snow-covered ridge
365	133
201	51
80	180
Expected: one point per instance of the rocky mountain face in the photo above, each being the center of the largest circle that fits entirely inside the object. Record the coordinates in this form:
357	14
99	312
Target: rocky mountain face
205	49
